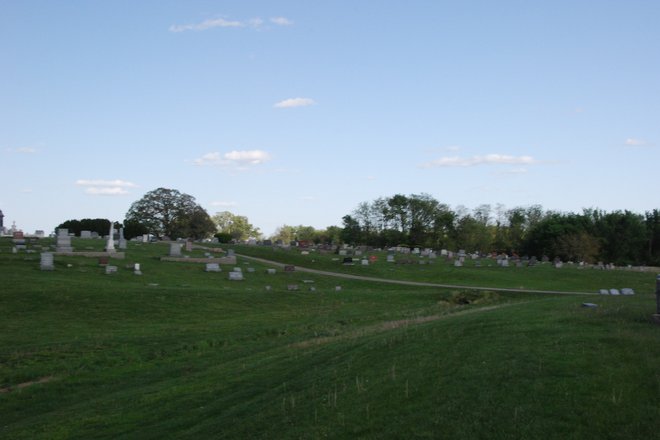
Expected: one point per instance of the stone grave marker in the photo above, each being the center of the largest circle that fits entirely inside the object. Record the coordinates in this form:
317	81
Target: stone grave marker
604	292
230	252
292	287
63	241
348	261
47	261
289	268
627	291
175	249
390	258
236	276
615	292
271	271
364	262
238	269
213	267
337	288
122	240
189	246
136	269
250	269
86	234
110	269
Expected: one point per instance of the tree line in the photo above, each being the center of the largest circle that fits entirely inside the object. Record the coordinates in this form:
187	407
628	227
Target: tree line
419	220
619	237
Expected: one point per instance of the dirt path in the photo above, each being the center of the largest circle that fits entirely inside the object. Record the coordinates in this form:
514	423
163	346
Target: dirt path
411	283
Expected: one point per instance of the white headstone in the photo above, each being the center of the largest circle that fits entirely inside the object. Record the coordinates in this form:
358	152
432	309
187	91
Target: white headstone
175	249
110	245
110	269
47	261
236	276
213	267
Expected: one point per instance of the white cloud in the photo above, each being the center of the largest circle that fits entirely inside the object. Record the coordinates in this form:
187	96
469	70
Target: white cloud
632	142
294	102
255	23
224	204
515	171
22	150
106	191
207	24
489	159
100	187
234	158
281	21
97	182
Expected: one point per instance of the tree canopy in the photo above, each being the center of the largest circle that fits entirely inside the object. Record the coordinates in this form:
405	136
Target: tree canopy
235	226
620	237
98	225
168	212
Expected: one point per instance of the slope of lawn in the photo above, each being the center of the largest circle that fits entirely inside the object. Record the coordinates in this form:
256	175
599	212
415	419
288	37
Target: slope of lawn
181	353
541	277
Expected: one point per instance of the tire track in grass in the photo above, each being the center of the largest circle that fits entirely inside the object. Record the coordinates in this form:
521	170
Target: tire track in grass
392	325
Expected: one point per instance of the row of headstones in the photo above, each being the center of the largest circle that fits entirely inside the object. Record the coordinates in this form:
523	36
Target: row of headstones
63	240
175	249
625	291
48	263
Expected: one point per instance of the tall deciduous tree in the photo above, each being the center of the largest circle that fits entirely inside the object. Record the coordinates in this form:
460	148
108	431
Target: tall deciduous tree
237	226
168	212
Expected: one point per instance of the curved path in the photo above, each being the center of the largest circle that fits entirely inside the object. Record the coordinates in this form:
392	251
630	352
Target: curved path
411	283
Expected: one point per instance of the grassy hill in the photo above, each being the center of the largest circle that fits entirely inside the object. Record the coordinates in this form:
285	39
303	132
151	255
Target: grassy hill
181	353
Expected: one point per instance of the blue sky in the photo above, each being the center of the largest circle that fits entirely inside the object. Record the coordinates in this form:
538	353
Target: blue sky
293	112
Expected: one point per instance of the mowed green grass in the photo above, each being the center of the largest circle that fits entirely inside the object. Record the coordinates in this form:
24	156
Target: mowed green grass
180	353
543	276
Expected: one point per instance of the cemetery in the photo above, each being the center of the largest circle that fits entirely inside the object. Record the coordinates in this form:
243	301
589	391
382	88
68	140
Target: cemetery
279	338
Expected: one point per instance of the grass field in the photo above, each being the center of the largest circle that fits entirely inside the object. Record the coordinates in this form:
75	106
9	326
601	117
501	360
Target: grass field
180	353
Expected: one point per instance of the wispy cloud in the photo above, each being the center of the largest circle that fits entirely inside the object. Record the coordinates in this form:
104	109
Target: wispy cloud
514	171
235	158
22	150
489	159
224	204
281	21
100	187
633	142
99	182
109	191
294	102
253	23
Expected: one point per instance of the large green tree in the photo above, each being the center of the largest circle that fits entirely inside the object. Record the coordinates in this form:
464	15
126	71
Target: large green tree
168	212
237	226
